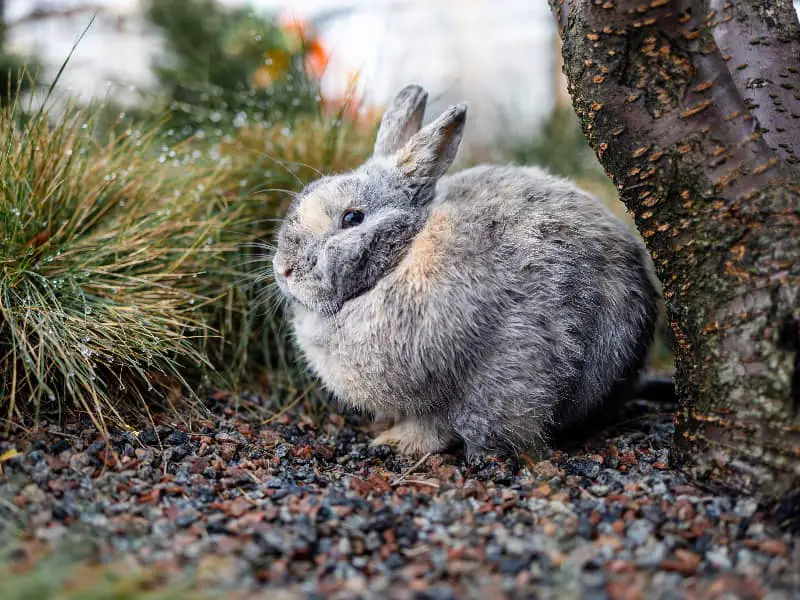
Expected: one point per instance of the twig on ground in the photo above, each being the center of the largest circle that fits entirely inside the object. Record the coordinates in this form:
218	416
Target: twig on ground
413	467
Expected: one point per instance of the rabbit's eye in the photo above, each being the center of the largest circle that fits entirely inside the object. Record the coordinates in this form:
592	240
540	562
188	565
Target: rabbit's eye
351	218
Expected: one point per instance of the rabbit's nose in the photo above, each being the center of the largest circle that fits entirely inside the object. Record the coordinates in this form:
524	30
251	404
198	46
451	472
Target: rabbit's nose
287	272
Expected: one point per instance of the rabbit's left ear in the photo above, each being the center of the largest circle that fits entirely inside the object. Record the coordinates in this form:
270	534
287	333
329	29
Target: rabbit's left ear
401	120
428	154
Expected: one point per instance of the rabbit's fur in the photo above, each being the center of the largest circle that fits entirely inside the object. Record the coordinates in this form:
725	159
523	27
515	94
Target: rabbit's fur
492	307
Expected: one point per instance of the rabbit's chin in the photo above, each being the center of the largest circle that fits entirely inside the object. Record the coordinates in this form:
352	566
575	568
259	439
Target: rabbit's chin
296	302
311	302
328	308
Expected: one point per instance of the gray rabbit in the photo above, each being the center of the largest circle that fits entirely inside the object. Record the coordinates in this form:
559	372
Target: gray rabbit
491	307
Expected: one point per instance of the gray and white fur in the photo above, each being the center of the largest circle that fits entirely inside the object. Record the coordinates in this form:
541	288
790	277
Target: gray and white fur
490	307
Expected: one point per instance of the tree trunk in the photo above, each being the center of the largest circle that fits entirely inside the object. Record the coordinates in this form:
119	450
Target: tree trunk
693	107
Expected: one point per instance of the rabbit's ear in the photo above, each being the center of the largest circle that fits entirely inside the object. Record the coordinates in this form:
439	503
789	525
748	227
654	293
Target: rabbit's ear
401	120
428	155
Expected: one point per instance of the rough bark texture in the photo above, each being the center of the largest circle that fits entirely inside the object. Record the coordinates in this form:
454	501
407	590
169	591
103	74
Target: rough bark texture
693	107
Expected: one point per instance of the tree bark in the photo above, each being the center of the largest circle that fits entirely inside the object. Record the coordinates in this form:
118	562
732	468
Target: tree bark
693	107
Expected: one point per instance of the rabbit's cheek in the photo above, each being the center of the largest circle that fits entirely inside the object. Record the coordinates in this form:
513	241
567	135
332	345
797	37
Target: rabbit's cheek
363	259
319	267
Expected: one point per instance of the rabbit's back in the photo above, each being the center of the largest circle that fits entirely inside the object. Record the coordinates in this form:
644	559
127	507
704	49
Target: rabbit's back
579	297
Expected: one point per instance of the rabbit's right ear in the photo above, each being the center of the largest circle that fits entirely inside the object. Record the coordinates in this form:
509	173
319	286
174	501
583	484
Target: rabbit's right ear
428	155
401	120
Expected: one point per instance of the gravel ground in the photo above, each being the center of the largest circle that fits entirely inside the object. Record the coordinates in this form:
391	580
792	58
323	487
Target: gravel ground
314	512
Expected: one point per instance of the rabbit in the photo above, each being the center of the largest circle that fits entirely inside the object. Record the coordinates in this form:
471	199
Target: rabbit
490	308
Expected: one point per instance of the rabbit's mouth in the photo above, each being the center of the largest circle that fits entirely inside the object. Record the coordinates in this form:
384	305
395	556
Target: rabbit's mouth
321	306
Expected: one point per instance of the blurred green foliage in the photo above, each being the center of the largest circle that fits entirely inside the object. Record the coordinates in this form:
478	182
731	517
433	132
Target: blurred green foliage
226	66
73	573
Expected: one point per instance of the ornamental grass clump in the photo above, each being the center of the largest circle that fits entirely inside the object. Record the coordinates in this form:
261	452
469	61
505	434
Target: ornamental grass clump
134	269
104	250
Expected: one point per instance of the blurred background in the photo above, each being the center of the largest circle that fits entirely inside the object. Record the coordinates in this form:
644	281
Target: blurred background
502	57
237	61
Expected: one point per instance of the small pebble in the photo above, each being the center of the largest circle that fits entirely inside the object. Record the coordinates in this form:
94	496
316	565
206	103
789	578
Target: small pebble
177	438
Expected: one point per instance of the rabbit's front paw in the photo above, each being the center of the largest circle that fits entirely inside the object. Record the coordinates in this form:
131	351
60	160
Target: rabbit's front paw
414	438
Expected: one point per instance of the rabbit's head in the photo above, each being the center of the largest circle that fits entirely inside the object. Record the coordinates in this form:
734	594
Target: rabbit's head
343	233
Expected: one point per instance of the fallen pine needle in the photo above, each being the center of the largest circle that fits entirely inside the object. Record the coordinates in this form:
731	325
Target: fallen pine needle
432	484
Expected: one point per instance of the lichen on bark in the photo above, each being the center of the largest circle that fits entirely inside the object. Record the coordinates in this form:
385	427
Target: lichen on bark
692	108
